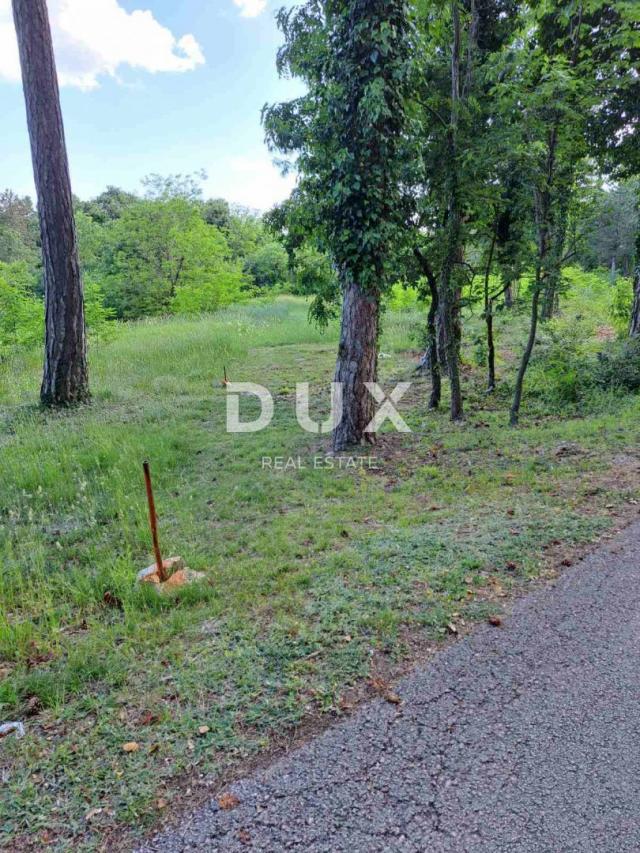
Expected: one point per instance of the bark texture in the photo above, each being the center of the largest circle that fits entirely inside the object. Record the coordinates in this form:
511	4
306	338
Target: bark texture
508	296
65	379
526	358
544	224
431	357
357	364
448	308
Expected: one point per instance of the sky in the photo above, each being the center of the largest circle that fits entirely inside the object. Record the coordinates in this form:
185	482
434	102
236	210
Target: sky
155	86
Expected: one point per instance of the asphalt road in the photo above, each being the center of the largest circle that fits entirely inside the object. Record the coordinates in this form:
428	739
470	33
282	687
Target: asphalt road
524	737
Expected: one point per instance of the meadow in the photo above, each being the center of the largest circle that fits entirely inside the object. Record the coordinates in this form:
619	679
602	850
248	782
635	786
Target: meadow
321	584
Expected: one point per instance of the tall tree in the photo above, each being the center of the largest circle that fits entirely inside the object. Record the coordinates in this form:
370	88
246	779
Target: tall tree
458	152
65	379
349	133
614	124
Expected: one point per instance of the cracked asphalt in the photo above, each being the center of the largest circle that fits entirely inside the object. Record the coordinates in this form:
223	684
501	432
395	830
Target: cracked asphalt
524	737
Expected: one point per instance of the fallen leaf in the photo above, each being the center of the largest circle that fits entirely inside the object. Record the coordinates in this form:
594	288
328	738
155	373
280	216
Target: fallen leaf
203	730
452	628
228	801
161	803
131	746
393	699
496	621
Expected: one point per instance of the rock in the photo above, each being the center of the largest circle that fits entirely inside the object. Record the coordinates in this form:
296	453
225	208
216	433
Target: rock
8	728
171	565
183	577
179	575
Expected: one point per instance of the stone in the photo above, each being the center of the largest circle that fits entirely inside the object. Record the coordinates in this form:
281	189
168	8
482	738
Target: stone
179	575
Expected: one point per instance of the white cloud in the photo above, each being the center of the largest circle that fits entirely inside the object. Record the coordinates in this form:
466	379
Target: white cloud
97	37
253	182
251	8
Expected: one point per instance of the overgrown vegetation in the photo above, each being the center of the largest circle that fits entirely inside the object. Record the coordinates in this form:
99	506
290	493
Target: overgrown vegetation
316	578
166	252
468	202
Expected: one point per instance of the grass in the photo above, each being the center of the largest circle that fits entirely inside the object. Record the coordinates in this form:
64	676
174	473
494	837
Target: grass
316	577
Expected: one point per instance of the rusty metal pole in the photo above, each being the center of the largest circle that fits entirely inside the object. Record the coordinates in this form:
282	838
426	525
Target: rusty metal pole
153	521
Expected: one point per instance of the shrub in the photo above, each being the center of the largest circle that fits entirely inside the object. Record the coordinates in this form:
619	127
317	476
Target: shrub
562	367
617	368
21	313
401	297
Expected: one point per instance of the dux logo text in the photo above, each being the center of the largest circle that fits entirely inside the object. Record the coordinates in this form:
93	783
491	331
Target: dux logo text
386	410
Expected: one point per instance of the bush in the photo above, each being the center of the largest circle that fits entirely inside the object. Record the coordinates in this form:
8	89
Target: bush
573	368
21	313
401	297
268	266
617	368
98	318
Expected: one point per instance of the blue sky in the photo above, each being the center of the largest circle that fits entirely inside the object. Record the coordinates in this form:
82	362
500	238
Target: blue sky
156	86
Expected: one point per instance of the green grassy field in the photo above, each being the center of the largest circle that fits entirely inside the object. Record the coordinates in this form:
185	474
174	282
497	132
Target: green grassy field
317	580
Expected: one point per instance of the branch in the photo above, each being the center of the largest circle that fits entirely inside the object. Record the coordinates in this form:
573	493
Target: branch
426	267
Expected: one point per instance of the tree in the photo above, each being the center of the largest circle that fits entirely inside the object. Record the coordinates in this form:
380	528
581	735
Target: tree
268	266
109	205
65	379
18	228
614	125
552	82
460	152
160	256
610	225
349	133
216	212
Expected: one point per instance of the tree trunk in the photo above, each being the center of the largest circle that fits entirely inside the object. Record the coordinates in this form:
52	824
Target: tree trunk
431	355
557	240
357	364
508	296
65	379
448	324
488	314
526	358
449	293
434	364
491	350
